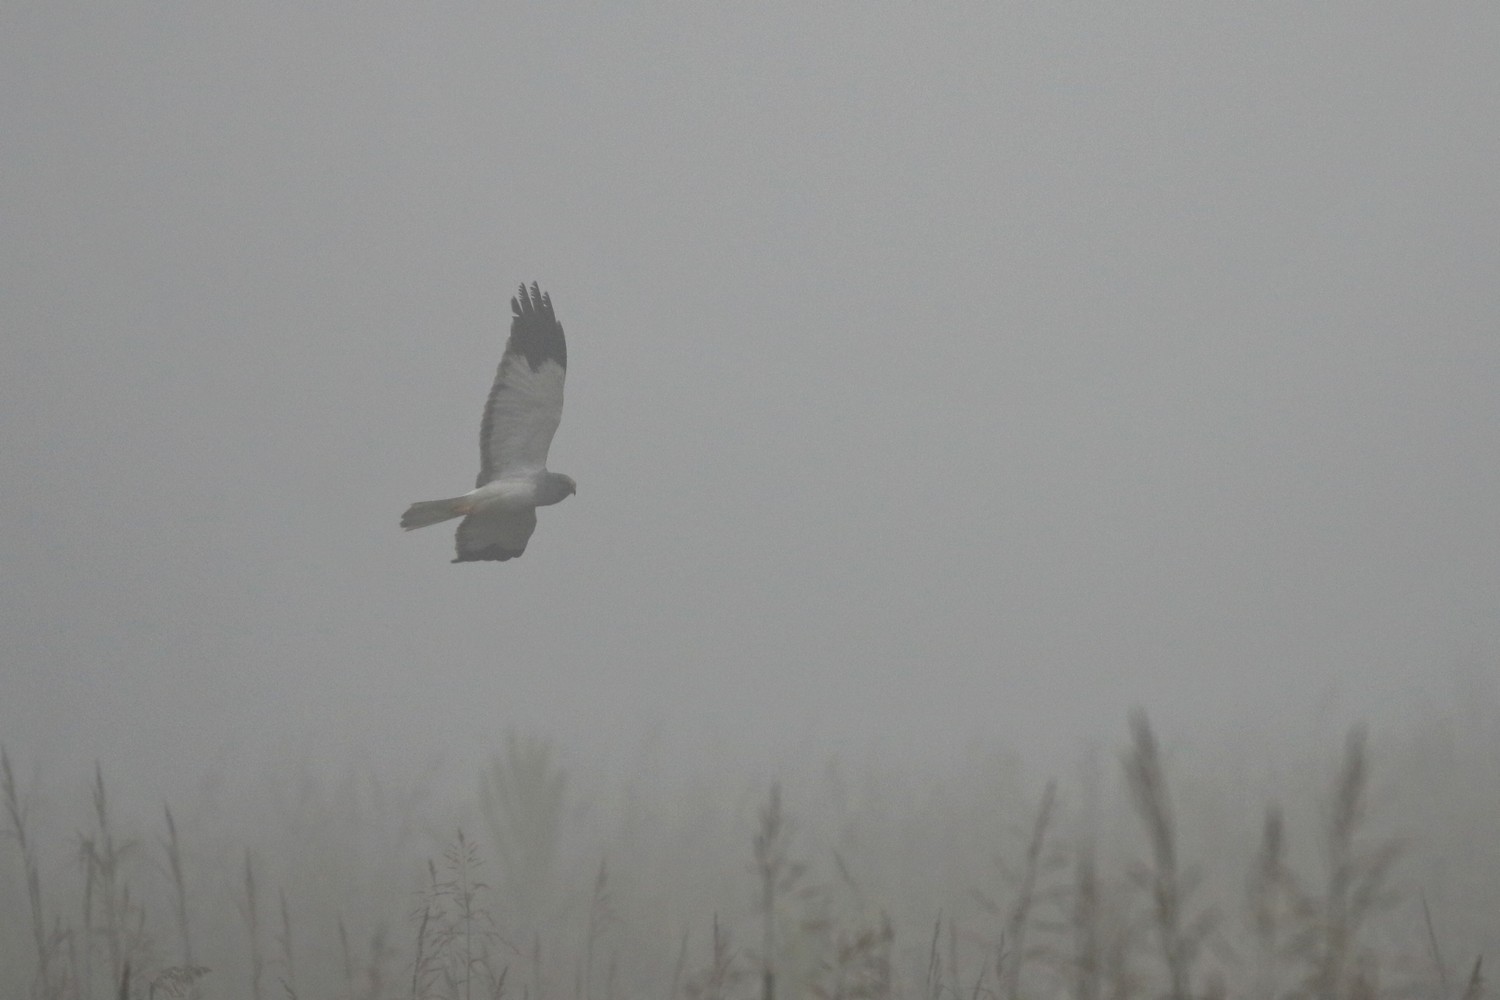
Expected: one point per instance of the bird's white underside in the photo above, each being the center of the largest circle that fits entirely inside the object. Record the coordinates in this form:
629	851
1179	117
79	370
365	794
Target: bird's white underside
499	495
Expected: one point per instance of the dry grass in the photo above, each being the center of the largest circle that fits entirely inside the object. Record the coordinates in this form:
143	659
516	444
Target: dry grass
1180	930
863	901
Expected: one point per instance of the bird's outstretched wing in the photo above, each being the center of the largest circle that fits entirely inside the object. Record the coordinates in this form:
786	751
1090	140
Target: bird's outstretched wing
525	404
495	534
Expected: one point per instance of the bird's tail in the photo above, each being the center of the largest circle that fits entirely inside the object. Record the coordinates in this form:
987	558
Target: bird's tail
425	512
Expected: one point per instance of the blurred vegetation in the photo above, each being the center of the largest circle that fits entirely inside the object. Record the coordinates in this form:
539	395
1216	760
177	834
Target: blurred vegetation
1371	871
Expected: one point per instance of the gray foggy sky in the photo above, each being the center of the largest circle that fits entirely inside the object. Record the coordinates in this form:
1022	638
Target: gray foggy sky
937	371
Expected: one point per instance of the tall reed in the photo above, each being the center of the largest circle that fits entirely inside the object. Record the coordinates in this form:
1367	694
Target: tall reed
46	982
1178	935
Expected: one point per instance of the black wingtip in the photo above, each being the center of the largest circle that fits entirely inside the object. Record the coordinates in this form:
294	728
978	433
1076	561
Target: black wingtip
532	301
535	331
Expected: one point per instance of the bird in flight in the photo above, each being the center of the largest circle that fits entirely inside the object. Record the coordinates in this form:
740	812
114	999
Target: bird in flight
520	417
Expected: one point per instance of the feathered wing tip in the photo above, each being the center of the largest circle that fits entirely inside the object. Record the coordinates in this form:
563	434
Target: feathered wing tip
537	302
535	333
428	512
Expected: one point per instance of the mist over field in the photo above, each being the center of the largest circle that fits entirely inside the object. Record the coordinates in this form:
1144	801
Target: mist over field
946	382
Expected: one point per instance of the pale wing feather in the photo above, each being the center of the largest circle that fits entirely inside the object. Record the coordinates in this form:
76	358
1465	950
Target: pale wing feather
522	415
497	533
525	403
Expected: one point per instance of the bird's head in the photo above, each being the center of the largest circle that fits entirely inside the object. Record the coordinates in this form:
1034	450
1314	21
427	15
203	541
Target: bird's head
554	487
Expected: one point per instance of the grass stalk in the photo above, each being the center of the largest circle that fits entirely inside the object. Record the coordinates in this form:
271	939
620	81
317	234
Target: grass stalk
1474	990
346	955
179	889
251	914
600	917
104	857
932	980
419	964
1357	874
1266	886
721	977
86	850
1084	925
1014	955
1147	783
285	943
16	812
778	874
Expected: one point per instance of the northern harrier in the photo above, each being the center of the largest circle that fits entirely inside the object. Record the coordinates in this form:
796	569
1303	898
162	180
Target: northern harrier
520	417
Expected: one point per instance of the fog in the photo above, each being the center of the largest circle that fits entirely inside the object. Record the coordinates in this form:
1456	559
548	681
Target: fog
945	380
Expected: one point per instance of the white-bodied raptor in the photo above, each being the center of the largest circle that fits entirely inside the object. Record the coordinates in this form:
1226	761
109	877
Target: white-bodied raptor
520	417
